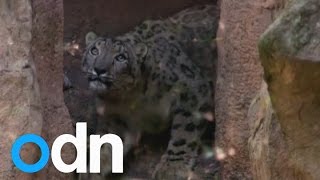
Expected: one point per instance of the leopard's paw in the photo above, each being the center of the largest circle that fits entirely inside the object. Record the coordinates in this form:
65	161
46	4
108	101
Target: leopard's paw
173	170
105	156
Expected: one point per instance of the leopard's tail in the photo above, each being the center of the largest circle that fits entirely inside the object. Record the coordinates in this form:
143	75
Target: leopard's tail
196	24
195	29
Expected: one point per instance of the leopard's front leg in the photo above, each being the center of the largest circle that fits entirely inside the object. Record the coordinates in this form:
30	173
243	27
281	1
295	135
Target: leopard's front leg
179	160
105	124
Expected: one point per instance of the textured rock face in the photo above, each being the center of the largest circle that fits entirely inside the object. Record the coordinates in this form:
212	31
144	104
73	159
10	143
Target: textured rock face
267	146
239	76
31	77
20	106
47	48
290	56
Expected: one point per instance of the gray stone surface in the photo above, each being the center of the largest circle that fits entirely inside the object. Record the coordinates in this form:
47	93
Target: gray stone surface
268	148
20	105
31	78
290	56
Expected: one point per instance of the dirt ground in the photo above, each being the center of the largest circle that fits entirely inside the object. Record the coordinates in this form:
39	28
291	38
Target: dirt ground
110	18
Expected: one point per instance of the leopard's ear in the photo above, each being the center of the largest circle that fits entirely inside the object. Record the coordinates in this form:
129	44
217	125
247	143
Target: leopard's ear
141	50
90	38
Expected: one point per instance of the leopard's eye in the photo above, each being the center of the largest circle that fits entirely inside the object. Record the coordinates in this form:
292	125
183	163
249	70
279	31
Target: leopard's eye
121	58
94	51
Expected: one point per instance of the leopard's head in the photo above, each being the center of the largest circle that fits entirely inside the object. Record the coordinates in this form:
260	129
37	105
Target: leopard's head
112	64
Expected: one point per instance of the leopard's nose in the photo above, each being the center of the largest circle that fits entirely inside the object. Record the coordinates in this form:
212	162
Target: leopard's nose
100	71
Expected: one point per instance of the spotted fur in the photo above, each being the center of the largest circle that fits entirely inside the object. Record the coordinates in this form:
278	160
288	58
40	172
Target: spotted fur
151	79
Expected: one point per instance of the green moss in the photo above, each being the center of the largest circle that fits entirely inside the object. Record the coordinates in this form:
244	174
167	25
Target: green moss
266	47
288	35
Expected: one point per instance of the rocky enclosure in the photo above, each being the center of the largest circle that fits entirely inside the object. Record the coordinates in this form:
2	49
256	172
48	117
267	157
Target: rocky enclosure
31	98
290	54
267	105
20	104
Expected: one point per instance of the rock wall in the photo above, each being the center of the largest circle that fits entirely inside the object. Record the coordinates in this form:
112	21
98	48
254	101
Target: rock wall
290	56
267	144
20	104
31	77
47	48
239	77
